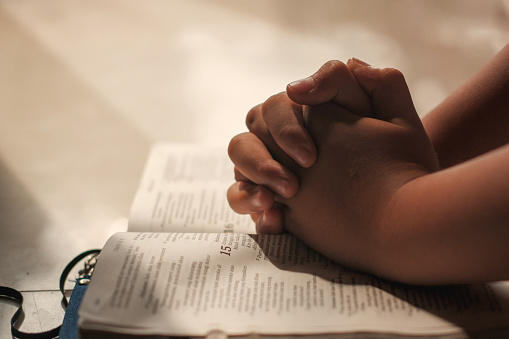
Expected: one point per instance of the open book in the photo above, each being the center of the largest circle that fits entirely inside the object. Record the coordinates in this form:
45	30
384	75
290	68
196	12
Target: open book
189	266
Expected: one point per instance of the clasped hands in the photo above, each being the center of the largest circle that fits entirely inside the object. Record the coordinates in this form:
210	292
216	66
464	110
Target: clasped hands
324	159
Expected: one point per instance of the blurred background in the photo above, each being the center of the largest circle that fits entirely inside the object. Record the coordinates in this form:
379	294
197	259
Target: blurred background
86	87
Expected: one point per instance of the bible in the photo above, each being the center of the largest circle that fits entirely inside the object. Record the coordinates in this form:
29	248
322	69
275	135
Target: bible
190	267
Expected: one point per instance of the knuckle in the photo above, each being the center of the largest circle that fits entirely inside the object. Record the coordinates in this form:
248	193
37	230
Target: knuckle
330	73
392	75
288	132
255	121
253	115
333	67
259	129
242	180
273	102
235	144
266	168
238	176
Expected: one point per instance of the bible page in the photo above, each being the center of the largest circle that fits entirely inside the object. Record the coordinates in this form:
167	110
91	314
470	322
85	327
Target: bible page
191	284
183	189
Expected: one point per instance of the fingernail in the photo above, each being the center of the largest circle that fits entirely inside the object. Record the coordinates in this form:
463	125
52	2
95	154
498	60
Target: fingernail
362	69
360	62
302	155
304	85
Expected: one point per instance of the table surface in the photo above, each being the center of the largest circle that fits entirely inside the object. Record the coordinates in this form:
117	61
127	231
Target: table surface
87	87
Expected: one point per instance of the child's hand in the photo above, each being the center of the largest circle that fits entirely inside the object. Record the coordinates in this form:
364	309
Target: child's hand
361	163
443	228
283	120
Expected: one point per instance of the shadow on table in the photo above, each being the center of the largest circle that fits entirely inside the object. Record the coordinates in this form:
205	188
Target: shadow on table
22	222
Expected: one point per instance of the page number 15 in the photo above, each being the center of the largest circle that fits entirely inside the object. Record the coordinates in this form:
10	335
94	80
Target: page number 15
225	250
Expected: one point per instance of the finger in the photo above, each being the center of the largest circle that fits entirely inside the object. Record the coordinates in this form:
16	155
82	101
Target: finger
241	177
246	198
388	89
258	127
270	222
254	121
332	82
254	161
283	119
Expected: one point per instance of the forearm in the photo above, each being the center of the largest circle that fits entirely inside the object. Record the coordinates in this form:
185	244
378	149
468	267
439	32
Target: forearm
475	118
451	226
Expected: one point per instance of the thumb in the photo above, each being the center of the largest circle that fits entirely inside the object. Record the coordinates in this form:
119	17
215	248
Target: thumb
389	93
333	82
